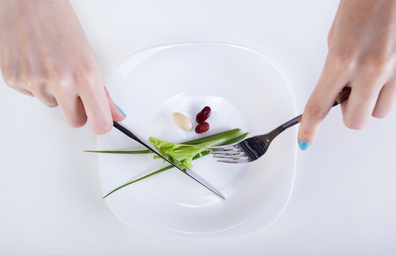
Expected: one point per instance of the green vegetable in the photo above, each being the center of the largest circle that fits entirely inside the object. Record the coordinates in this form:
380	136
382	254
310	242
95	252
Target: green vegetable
176	151
203	153
196	141
182	154
215	136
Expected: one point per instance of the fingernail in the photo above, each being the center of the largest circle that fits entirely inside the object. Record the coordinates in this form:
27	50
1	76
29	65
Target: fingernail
303	145
123	113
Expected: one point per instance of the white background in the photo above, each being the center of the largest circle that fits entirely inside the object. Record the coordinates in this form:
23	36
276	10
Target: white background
344	197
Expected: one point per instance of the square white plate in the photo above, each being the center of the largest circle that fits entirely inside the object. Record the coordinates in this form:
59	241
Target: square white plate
245	90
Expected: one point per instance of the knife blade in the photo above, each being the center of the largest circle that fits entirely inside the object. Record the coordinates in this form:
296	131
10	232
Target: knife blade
128	132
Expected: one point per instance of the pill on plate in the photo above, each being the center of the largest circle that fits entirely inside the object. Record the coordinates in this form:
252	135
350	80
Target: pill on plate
182	121
202	127
204	114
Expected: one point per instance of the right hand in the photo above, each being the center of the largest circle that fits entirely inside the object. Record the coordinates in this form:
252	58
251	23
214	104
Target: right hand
44	53
362	56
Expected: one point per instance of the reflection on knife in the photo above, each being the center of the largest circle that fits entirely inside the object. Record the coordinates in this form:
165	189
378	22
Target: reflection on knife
127	131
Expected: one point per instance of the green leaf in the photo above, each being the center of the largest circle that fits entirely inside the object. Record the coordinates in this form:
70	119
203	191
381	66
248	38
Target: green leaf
176	151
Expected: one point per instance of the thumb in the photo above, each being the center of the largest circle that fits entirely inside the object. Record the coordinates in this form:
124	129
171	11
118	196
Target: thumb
116	112
316	109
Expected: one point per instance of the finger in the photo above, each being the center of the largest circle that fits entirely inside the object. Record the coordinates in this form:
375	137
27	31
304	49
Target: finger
360	104
97	108
116	112
45	97
330	35
386	101
318	106
73	110
331	31
12	82
25	92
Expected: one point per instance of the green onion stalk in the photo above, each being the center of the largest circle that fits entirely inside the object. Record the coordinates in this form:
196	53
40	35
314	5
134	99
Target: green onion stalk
182	154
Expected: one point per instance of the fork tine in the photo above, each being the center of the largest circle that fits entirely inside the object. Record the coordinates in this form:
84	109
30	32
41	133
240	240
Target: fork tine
230	152
234	161
227	161
221	148
234	156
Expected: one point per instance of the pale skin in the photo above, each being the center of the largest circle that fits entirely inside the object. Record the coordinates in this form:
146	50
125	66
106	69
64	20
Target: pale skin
44	53
362	55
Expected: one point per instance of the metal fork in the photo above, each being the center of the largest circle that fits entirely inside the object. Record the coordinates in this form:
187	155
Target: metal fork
252	148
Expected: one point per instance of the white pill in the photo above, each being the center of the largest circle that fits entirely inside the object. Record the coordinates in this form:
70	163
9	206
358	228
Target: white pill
182	121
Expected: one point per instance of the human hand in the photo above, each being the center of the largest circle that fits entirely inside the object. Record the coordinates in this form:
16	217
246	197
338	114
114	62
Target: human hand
362	55
44	53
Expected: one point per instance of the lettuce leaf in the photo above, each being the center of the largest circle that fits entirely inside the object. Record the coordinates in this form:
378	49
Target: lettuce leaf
176	152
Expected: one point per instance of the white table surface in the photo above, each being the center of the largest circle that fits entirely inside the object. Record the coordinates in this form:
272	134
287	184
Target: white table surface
344	197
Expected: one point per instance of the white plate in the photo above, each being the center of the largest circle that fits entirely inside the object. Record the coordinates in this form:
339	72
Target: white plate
244	89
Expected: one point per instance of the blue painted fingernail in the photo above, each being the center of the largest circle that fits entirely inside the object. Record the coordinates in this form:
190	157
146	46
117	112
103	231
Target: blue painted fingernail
123	113
303	145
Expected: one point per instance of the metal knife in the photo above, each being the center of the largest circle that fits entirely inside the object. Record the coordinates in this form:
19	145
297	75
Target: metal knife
127	131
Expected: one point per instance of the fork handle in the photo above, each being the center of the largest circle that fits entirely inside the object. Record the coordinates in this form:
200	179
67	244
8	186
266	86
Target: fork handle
266	139
340	98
